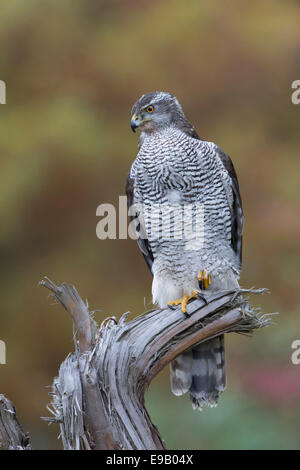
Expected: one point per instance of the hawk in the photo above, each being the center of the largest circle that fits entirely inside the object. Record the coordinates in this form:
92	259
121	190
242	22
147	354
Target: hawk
176	168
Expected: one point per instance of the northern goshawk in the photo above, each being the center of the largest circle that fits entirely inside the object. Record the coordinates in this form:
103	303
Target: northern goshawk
177	173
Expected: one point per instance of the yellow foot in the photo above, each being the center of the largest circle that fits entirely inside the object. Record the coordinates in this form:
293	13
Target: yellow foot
183	301
204	280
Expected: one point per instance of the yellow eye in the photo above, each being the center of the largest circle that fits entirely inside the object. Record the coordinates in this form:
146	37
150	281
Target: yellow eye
150	109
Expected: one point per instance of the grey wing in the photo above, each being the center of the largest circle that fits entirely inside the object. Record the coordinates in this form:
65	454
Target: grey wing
237	224
142	242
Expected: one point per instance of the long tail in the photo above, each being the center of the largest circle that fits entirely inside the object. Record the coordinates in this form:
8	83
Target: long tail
201	372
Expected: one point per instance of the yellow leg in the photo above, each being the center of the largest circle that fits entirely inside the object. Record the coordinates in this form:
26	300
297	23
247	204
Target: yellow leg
204	279
183	301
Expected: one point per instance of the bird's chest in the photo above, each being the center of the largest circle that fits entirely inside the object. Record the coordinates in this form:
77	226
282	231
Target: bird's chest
166	176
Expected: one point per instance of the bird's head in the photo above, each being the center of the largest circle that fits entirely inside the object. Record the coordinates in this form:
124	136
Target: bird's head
155	111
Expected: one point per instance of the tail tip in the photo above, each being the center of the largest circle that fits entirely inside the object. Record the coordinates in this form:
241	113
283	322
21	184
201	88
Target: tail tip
210	400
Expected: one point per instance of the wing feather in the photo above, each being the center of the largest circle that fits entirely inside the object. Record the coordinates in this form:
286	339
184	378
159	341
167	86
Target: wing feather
142	242
237	224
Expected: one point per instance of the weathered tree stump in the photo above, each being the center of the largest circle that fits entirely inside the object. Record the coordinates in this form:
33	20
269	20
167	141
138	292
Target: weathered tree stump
98	396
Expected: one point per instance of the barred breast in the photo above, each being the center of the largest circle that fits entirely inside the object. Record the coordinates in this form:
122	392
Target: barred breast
173	169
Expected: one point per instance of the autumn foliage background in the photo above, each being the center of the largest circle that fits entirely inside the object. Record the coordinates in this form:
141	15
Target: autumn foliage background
73	70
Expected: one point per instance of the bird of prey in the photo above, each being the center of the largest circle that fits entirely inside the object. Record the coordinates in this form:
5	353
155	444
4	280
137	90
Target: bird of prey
176	168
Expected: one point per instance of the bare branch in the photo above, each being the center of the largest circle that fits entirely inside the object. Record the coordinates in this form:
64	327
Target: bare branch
68	297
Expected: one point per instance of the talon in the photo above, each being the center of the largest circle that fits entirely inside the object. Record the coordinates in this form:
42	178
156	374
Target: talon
204	279
171	307
183	301
202	297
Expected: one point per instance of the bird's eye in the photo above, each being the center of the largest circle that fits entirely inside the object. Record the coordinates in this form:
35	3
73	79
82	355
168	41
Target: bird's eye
150	109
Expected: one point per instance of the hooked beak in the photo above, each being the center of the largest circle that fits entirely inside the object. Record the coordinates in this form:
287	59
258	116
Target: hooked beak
134	123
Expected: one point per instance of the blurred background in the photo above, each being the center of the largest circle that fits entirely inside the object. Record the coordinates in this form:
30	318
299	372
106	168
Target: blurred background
73	70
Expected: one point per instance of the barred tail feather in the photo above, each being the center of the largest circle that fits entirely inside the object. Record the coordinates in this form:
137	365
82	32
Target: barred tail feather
180	373
201	371
209	373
